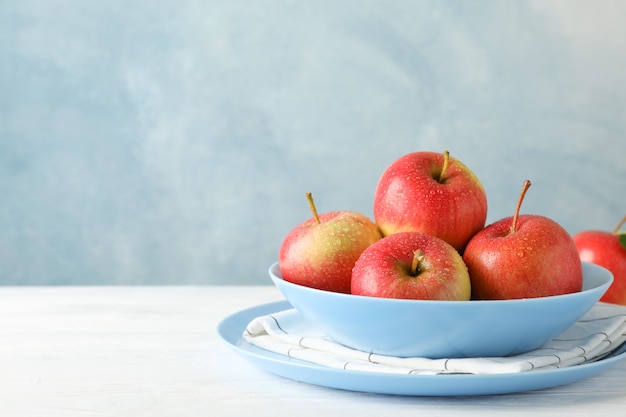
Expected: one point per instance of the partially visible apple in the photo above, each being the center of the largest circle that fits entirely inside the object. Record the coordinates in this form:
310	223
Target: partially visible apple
432	193
523	257
411	265
321	251
608	250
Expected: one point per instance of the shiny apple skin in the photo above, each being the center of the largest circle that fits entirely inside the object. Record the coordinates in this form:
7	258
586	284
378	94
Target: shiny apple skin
322	255
538	260
604	249
384	270
409	197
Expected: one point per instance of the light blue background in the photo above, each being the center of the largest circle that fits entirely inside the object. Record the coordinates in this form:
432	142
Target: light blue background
172	142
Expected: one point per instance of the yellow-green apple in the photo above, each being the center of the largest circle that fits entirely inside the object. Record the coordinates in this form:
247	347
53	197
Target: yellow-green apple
432	193
411	265
523	256
321	251
607	249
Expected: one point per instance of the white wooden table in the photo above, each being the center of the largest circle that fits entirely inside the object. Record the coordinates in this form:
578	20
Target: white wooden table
154	351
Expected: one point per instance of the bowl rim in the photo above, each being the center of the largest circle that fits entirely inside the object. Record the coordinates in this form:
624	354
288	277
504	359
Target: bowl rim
603	285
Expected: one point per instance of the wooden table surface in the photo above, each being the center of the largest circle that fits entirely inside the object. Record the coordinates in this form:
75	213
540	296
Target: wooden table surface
154	351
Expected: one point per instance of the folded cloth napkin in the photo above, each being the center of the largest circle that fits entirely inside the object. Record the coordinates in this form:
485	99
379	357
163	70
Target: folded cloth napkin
594	336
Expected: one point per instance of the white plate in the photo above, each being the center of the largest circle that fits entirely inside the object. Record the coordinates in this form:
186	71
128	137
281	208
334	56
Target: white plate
231	328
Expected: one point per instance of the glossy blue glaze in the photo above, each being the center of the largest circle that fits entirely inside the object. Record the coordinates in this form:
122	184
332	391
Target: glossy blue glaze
439	329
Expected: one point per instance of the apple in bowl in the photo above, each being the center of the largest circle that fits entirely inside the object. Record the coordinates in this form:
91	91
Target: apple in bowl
431	193
411	265
525	256
321	251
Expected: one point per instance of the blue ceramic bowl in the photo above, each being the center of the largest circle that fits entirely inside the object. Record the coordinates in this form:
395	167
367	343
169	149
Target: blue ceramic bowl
443	329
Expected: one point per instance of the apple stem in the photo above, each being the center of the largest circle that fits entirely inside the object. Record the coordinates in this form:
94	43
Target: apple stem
446	161
418	257
619	225
309	197
525	188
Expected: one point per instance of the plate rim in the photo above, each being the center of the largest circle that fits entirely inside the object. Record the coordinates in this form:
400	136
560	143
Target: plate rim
231	327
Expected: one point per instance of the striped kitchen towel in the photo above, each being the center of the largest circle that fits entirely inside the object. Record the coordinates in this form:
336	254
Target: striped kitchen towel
597	334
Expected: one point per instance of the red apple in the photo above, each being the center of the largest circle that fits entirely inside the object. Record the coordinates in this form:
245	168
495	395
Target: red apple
431	193
321	251
608	250
523	257
411	265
